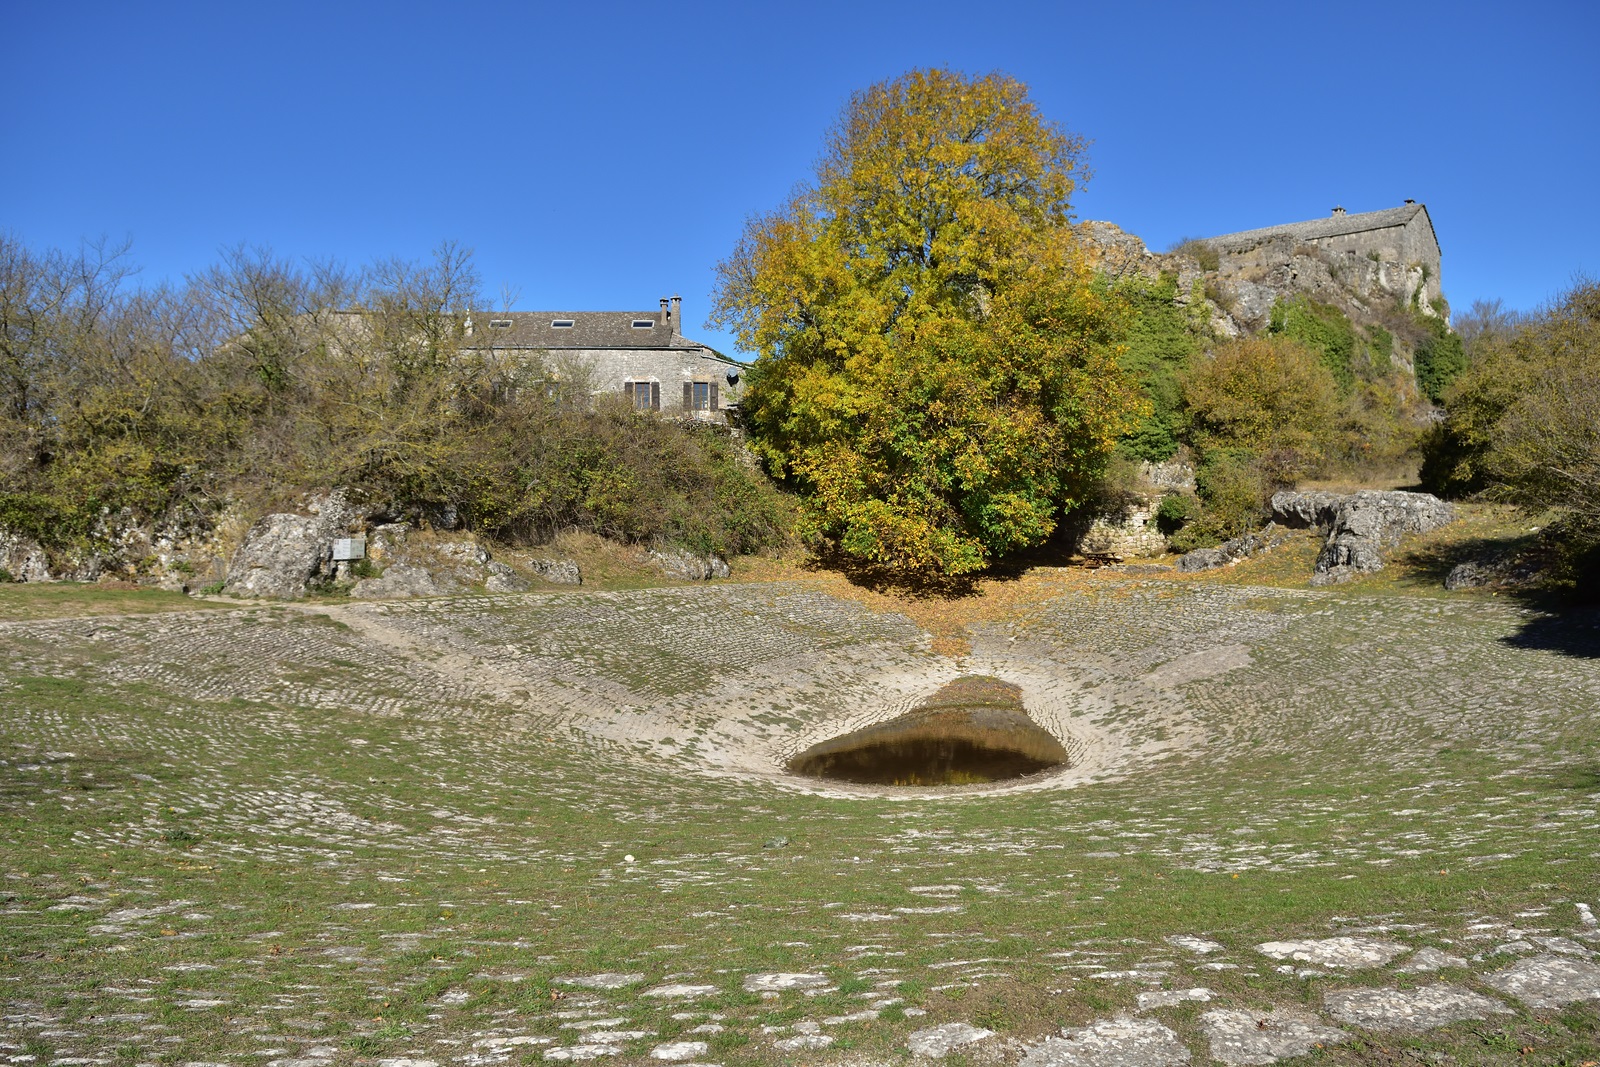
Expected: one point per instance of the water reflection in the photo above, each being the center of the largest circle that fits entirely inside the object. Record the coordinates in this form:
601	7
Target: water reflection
973	731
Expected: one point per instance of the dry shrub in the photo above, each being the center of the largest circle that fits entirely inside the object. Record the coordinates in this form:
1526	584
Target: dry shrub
1264	396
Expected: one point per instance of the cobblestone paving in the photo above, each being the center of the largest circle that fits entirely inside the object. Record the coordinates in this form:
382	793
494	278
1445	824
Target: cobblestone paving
485	830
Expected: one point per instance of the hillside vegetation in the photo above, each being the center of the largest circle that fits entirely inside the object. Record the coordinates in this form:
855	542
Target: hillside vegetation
1522	423
1324	387
121	406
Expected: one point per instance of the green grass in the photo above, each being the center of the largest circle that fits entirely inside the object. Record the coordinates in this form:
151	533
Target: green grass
50	600
485	846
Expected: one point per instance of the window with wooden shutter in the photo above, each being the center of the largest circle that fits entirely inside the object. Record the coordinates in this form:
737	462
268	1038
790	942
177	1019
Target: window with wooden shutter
714	397
688	396
644	396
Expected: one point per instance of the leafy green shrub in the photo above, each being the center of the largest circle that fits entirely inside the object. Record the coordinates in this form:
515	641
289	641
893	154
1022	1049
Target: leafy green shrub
283	396
617	473
1544	449
1234	490
1160	344
1456	453
47	518
1174	512
1199	534
1374	440
1321	327
1440	359
1379	351
366	568
1233	493
1523	423
6	577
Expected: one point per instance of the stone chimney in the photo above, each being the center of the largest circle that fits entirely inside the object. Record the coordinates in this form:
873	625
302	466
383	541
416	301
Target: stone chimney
677	315
666	316
1409	201
1337	211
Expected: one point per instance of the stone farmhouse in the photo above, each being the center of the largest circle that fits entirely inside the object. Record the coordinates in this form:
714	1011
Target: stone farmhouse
1394	250
641	355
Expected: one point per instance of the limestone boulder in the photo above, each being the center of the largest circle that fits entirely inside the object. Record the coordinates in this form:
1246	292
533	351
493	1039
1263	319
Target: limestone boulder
1370	523
284	552
428	563
556	571
1300	511
461	553
1468	575
676	563
1510	572
385	541
502	579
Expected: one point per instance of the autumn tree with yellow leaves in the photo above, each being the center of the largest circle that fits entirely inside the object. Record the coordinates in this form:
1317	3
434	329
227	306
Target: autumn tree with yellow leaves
936	368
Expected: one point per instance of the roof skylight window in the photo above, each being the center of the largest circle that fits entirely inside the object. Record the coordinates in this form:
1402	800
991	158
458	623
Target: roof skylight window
500	323
562	324
644	324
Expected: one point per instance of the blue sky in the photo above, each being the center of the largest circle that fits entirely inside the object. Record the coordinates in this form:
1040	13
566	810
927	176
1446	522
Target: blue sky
602	155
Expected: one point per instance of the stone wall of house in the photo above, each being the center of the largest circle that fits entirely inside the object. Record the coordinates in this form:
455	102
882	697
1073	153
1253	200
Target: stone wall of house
607	370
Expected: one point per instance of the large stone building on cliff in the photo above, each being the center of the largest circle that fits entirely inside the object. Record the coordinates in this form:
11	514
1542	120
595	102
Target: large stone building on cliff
1395	250
1362	263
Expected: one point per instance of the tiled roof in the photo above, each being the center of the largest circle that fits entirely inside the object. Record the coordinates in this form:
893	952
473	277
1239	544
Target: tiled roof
1332	226
589	330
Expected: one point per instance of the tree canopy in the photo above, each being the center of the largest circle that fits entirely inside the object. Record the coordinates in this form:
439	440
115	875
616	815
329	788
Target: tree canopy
936	368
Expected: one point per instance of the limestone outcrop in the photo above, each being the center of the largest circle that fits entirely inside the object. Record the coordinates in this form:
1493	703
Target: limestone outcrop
676	563
556	571
424	563
1300	511
1231	552
284	555
1505	572
23	558
1358	263
1369	523
502	579
404	580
